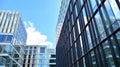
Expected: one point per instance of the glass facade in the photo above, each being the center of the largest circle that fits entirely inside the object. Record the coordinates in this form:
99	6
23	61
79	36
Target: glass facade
11	44
90	36
62	12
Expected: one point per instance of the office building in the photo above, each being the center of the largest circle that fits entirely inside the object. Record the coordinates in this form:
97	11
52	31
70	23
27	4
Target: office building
90	35
39	56
12	39
51	57
62	12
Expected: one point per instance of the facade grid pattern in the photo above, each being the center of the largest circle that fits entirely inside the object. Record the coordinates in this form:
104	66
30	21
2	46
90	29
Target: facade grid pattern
39	56
12	39
90	36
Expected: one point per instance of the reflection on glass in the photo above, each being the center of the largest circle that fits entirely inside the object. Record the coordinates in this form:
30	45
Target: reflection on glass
81	2
93	59
99	23
115	25
84	16
103	36
95	30
94	5
89	37
115	8
81	45
108	54
114	44
2	38
84	62
118	37
5	48
108	10
78	26
9	38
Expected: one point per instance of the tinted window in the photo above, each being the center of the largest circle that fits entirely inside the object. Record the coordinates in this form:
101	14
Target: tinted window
2	38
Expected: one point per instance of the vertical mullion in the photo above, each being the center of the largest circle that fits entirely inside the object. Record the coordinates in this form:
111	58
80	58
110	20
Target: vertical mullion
107	31
99	62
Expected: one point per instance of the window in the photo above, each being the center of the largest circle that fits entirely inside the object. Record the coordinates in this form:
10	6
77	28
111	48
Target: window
26	51
30	51
84	61
53	56
116	49
76	11
94	5
2	38
81	45
81	2
118	37
52	61
99	23
108	14
93	59
108	54
115	8
84	16
78	25
42	50
89	37
30	47
9	38
35	48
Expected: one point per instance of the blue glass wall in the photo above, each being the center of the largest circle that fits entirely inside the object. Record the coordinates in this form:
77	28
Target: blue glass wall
90	34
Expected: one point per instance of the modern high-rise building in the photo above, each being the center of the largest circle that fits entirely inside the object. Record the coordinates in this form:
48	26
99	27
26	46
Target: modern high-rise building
62	12
90	35
39	56
12	39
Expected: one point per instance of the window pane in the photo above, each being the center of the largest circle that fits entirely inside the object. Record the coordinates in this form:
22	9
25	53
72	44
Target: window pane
93	59
2	38
78	25
99	23
42	50
118	37
84	16
89	37
108	11
81	2
84	62
116	49
76	11
108	54
94	5
9	38
115	8
81	45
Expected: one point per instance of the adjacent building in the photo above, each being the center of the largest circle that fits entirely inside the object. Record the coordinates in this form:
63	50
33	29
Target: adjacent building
12	39
39	56
90	35
51	57
62	12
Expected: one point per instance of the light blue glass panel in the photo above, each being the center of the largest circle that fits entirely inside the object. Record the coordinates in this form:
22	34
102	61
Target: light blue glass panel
115	8
2	38
94	5
9	38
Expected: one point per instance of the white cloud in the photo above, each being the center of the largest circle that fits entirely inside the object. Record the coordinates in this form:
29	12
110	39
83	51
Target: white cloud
34	37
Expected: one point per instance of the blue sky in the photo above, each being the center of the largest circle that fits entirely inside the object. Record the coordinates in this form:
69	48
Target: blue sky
41	15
